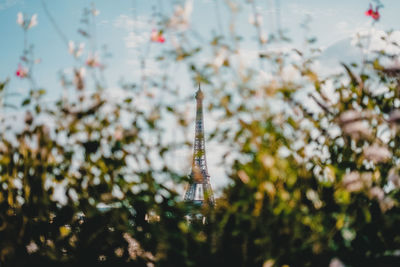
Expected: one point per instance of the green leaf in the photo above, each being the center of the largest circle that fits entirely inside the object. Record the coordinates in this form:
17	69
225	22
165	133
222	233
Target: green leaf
27	101
41	91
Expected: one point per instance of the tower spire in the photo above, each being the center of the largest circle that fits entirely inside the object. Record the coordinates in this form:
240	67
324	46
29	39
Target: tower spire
199	190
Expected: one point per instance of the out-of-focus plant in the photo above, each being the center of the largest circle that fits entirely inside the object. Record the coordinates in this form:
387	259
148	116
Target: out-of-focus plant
312	160
78	182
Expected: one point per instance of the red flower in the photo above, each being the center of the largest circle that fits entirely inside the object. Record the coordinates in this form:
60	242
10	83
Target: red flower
373	13
21	72
157	36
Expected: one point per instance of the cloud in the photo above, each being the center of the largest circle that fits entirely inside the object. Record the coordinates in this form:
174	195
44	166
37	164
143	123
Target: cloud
134	40
128	23
104	22
314	12
4	4
138	29
151	68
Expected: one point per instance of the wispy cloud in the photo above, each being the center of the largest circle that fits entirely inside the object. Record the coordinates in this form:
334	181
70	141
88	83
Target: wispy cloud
4	4
128	23
314	12
138	30
151	68
134	40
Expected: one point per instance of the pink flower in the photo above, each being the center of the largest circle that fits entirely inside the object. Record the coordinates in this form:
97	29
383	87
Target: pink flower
377	153
21	72
377	193
373	13
157	36
93	61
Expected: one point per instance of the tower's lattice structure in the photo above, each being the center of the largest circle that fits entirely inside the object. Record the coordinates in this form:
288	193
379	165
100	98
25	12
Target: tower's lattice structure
199	190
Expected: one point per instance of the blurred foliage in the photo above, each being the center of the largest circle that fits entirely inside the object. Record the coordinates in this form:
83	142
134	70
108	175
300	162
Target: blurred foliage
312	161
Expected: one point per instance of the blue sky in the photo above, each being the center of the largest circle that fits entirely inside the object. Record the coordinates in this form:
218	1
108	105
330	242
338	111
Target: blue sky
331	22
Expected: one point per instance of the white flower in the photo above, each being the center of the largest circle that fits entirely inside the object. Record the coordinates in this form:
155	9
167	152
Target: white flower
24	23
82	71
33	22
71	47
377	153
263	38
20	19
314	198
335	262
290	74
31	247
95	12
221	57
76	52
180	18
267	161
79	51
256	19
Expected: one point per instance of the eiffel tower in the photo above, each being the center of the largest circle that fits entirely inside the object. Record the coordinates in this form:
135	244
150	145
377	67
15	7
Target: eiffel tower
199	191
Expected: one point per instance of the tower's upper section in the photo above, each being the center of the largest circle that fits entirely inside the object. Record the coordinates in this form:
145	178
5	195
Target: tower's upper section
199	189
199	94
199	151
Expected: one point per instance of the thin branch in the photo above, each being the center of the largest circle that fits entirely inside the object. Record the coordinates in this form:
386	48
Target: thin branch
53	22
278	17
321	105
218	14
